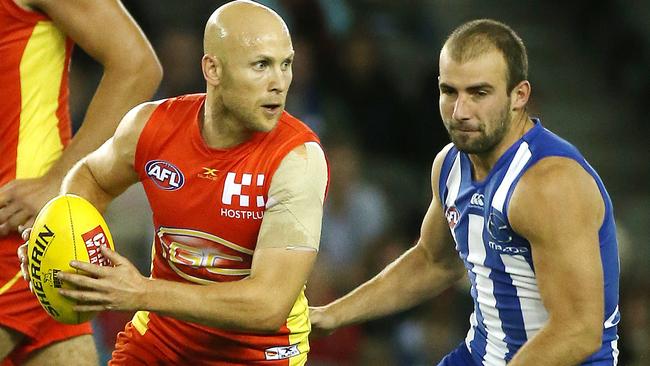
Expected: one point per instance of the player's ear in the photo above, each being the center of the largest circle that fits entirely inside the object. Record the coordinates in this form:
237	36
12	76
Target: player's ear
520	95
212	69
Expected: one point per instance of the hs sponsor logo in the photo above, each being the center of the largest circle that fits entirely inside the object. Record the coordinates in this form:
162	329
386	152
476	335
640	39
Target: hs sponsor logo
234	187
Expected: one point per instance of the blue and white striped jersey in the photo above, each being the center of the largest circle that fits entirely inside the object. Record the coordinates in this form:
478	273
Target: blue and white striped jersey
507	306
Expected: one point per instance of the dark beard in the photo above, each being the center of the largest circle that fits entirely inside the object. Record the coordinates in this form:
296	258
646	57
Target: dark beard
486	142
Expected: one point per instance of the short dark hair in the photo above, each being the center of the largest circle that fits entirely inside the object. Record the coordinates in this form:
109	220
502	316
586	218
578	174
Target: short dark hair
478	37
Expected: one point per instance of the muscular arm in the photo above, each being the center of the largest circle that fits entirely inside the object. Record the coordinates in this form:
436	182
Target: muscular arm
282	262
131	74
108	171
557	206
422	272
105	30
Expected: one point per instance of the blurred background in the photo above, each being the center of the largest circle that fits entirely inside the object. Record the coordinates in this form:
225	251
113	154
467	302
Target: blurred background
365	80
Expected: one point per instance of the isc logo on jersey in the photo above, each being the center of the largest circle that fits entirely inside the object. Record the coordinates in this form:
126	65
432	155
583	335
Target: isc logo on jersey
164	174
238	185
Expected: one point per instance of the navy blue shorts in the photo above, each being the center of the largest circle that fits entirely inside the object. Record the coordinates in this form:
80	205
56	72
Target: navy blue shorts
458	357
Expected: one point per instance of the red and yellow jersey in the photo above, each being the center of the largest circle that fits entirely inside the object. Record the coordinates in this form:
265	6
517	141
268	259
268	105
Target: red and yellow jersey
208	206
35	57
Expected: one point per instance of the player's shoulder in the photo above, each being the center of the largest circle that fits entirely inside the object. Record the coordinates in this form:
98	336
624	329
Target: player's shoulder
141	113
554	176
133	122
551	184
289	124
304	156
145	109
438	162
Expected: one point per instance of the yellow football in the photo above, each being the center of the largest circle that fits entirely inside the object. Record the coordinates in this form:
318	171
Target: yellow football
67	228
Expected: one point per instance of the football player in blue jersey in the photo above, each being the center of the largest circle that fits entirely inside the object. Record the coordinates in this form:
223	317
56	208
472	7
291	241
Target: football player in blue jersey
531	220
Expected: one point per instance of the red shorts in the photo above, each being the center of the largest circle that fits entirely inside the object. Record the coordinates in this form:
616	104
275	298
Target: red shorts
132	350
20	310
135	349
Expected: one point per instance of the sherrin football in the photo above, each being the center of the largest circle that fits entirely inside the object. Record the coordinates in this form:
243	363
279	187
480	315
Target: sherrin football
68	227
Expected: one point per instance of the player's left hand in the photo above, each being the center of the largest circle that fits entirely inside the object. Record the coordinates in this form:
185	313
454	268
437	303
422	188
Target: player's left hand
120	287
22	199
322	324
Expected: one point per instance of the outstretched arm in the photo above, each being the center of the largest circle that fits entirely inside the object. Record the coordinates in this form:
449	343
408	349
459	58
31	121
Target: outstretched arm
105	30
562	228
396	288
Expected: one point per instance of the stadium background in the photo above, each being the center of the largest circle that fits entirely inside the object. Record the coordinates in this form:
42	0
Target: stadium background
365	79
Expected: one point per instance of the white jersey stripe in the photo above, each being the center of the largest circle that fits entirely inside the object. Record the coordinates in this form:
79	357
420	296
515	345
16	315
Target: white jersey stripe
615	351
496	348
453	182
518	162
523	278
470	333
610	321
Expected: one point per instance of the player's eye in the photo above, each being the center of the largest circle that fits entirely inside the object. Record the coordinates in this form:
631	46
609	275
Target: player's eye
260	65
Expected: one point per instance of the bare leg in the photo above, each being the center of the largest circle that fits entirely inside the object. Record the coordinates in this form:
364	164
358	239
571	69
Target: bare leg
9	339
77	351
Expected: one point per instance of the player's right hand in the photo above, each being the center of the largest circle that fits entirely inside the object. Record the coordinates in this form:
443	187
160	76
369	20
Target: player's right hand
24	259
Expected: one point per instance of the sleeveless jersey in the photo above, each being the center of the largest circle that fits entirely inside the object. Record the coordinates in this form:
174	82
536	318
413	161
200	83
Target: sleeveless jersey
208	206
508	309
34	128
34	92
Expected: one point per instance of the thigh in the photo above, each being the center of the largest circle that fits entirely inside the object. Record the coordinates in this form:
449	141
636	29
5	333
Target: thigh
9	339
77	351
19	307
51	339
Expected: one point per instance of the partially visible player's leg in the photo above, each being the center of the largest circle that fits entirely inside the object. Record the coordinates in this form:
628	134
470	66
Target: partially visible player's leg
15	299
78	351
25	328
134	349
9	339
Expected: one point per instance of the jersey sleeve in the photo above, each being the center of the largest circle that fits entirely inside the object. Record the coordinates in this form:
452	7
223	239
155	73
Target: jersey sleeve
294	211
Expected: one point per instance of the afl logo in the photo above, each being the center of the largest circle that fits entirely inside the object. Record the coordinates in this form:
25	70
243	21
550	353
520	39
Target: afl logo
452	216
164	174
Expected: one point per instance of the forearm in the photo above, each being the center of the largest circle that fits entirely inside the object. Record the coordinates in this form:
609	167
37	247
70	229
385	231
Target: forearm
117	92
403	284
240	305
558	345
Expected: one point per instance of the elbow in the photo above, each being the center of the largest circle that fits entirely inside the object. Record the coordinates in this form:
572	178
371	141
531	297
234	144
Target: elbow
149	71
585	338
142	70
269	320
592	341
